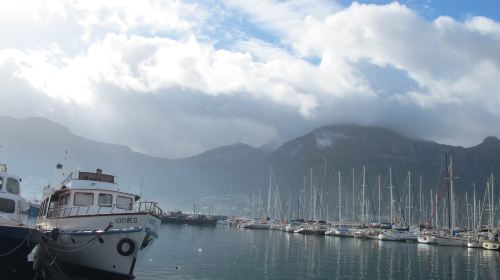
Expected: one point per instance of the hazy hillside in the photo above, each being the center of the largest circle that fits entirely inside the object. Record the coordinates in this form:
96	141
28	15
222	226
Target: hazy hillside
33	146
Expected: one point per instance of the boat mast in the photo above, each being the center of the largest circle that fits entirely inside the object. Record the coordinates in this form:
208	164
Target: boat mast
268	212
409	198
436	207
289	205
253	203
379	217
492	201
474	204
363	197
340	201
467	210
449	192
276	214
432	208
313	197
353	215
392	198
452	196
420	194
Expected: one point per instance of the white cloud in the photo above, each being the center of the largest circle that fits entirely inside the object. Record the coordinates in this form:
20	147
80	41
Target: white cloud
312	71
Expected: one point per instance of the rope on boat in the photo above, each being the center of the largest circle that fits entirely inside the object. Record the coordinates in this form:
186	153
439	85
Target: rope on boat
53	261
79	246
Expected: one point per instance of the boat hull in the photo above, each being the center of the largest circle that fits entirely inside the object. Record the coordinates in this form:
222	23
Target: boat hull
427	239
114	249
16	242
450	241
491	245
474	244
257	226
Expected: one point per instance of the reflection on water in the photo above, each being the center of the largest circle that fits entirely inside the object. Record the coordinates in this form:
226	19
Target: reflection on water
186	252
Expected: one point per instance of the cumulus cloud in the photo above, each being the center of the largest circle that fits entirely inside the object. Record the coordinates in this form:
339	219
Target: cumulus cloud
284	68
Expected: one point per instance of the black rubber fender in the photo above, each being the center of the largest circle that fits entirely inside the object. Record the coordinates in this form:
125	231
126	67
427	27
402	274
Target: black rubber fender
131	249
54	234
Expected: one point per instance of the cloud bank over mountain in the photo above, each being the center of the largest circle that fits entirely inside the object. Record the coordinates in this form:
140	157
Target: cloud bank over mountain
175	78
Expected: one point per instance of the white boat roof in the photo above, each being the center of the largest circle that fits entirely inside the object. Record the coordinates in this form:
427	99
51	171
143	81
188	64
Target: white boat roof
91	181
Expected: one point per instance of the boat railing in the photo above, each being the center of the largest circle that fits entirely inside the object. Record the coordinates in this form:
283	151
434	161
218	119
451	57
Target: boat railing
120	208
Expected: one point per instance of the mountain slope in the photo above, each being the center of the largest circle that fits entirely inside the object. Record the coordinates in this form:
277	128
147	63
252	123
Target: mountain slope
33	146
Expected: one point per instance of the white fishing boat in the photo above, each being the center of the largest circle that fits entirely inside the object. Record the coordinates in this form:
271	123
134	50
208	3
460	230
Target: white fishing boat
16	239
90	223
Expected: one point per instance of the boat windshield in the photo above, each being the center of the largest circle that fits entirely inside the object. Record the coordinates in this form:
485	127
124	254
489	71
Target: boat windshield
12	186
7	205
96	177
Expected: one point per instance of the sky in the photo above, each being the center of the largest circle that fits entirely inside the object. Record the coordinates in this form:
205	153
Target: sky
176	78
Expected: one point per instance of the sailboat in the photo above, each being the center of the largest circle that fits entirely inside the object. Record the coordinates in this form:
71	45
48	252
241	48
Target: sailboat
450	238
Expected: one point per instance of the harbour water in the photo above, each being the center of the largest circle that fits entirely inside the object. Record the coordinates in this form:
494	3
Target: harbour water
222	252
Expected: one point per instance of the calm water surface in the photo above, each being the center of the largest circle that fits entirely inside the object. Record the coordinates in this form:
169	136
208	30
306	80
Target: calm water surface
190	252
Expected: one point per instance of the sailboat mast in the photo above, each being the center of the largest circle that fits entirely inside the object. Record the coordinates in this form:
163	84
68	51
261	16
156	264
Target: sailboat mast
340	201
436	206
253	203
409	198
420	198
474	204
432	208
392	198
492	201
452	195
467	208
449	191
363	197
353	195
379	217
269	193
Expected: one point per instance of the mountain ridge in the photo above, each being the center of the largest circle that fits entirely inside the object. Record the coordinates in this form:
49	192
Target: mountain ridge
34	145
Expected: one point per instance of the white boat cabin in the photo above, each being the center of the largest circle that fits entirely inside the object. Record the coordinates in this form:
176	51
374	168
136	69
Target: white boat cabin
11	202
87	193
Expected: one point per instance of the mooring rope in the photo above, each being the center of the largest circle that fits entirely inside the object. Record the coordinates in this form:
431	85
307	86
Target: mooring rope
80	246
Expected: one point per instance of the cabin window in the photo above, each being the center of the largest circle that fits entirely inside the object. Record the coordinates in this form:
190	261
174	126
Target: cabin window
123	202
83	199
7	205
64	200
12	186
1	182
105	199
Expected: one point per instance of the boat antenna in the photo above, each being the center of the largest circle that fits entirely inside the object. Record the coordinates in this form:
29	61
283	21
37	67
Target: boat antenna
140	192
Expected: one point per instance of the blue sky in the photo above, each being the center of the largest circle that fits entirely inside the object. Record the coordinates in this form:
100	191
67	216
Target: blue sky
176	78
459	9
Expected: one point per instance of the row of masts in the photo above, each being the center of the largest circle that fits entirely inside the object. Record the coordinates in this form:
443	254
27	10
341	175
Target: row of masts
439	211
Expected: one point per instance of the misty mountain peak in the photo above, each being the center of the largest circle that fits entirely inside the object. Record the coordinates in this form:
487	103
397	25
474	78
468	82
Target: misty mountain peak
491	140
